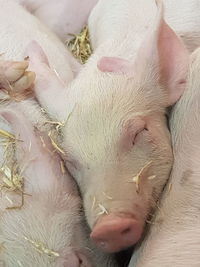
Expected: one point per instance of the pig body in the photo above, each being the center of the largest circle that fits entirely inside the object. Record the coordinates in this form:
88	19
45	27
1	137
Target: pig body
173	238
64	17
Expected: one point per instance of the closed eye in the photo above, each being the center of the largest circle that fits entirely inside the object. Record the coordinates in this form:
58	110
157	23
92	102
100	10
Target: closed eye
137	135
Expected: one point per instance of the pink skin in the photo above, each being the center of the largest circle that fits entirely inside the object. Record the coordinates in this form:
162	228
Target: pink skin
132	138
43	179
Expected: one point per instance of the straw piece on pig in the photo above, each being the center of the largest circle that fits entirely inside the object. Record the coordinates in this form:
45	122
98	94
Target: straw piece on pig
136	179
11	178
41	248
103	210
54	144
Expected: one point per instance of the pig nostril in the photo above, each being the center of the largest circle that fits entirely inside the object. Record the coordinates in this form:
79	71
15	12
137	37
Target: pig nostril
126	231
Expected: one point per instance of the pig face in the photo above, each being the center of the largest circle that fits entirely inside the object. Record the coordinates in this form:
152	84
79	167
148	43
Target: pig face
47	229
115	136
111	141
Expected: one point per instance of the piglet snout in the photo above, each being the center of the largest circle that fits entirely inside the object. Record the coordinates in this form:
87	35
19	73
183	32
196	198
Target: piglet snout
113	233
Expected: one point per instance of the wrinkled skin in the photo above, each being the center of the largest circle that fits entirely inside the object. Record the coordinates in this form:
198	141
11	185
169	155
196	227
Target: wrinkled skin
175	226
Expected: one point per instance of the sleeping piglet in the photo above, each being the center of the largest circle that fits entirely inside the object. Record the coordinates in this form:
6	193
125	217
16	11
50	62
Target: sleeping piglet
41	222
115	136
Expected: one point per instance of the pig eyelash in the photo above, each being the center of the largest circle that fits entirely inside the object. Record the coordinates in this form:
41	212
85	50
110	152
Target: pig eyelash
144	129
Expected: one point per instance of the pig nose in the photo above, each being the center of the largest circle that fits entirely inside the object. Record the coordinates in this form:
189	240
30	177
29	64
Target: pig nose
113	233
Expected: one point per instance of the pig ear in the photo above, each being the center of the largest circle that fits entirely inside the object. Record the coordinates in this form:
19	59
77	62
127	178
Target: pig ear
115	64
164	51
49	89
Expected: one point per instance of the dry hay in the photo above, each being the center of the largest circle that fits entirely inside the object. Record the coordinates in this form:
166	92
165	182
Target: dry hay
11	179
80	45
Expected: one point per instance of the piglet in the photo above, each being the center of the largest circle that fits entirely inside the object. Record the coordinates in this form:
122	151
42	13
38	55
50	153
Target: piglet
41	223
174	236
115	136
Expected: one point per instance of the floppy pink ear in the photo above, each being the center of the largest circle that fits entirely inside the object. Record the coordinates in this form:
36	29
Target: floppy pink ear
164	53
49	89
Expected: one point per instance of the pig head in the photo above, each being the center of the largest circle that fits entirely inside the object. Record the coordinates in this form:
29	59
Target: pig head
115	136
